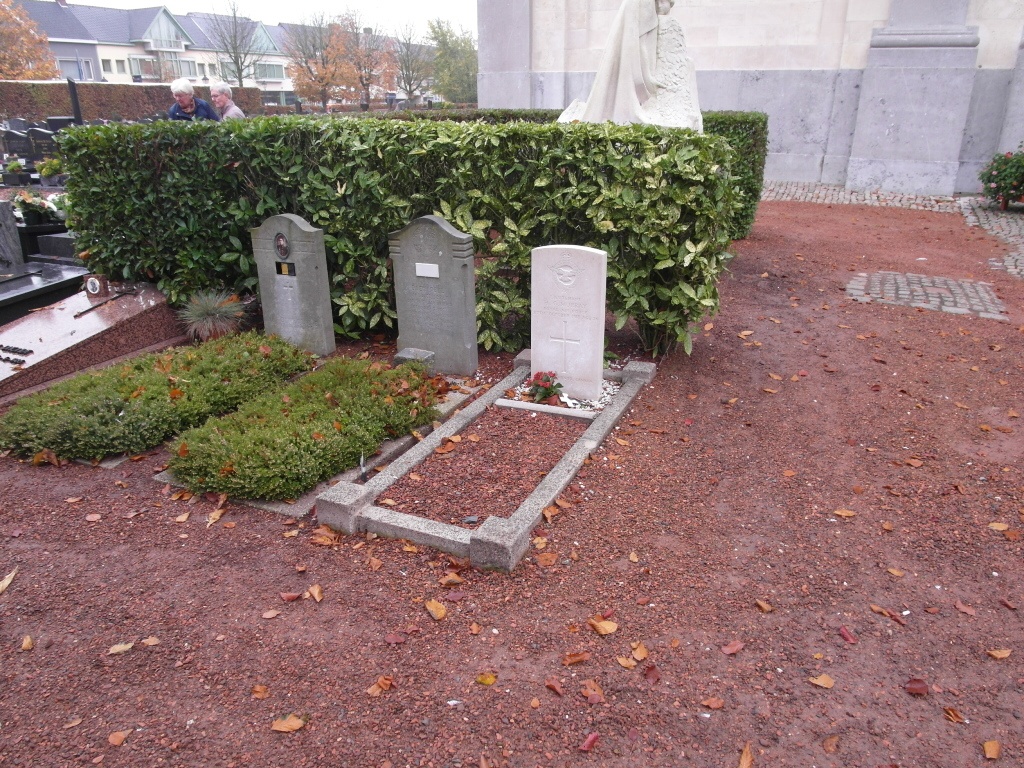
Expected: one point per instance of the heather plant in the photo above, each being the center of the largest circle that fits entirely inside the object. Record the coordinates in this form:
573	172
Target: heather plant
137	405
285	442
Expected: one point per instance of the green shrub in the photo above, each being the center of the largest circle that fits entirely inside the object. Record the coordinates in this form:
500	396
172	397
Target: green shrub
174	203
131	407
1003	178
284	443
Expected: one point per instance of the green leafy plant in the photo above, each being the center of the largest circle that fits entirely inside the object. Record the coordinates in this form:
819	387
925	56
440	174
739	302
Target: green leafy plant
543	385
1003	178
283	443
212	314
173	203
14	166
50	167
137	405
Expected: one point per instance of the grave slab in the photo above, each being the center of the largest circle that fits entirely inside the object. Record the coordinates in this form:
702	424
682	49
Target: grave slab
435	292
567	289
291	261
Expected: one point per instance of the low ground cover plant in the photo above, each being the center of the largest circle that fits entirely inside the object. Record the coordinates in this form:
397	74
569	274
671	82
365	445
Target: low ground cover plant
135	406
1003	178
285	442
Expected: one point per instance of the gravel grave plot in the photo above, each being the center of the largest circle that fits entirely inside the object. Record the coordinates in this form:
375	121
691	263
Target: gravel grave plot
495	464
807	548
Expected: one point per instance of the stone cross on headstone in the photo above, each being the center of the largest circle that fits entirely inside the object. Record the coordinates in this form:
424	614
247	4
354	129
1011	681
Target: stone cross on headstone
295	292
435	290
567	287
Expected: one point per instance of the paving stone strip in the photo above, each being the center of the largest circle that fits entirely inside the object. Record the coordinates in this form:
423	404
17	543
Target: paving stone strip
956	297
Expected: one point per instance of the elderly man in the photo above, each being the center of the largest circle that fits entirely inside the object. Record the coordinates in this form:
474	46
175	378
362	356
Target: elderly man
186	106
220	95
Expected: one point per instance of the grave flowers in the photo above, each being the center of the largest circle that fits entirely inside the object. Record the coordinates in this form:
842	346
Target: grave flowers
544	388
36	209
1003	178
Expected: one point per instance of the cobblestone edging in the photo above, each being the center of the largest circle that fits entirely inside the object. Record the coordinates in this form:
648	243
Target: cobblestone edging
956	297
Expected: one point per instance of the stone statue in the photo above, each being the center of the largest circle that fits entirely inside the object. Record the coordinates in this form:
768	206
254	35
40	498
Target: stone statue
645	75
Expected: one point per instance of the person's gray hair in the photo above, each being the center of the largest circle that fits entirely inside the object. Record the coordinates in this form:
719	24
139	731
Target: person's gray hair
221	88
181	86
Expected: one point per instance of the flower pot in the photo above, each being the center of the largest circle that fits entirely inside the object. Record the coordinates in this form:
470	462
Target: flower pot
552	400
17	179
32	218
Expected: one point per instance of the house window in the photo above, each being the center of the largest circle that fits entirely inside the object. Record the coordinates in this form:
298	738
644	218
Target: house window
213	70
186	68
147	68
269	71
202	70
107	68
120	66
76	69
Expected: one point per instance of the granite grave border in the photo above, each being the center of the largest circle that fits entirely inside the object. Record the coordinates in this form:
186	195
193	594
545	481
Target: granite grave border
499	543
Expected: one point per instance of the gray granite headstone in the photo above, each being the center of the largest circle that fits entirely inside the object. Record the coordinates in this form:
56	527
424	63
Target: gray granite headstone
567	313
291	262
11	259
435	290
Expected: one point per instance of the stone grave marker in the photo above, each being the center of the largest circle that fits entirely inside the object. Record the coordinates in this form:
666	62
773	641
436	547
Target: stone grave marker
18	144
43	144
435	290
291	262
11	259
567	287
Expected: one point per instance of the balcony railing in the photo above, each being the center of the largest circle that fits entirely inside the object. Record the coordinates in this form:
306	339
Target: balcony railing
156	44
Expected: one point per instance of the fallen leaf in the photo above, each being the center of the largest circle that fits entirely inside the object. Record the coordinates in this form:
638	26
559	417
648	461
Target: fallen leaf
888	526
601	626
953	716
451	580
216	515
27	644
896	572
915	686
547	559
535	703
1003	601
745	334
120	648
290	597
822	681
915	463
589	742
549	513
652	674
746	757
290	724
847	513
847	635
117	738
633	557
774	377
965	608
383	683
475	629
93	518
394	638
733	648
316	592
271	614
487	678
592	692
149	642
73	723
374	564
553	685
992	750
436	610
998	527
831	744
74	499
575	658
640	651
625	662
7	580
183	518
999	653
713	703
764	607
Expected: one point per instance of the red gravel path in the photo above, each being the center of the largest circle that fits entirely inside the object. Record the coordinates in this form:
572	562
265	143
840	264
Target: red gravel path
719	494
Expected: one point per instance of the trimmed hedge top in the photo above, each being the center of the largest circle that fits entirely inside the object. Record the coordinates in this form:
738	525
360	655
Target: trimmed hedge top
174	203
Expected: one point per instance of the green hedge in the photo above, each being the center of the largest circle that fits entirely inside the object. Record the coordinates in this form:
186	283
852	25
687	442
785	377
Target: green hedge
285	442
135	406
174	203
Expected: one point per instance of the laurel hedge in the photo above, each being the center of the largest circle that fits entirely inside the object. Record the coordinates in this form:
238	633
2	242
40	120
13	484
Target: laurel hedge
173	203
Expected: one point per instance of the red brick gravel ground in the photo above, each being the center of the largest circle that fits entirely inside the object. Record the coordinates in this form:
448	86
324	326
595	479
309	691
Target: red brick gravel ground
722	490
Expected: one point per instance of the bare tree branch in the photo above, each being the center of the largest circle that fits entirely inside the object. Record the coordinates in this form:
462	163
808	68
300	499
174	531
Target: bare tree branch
414	61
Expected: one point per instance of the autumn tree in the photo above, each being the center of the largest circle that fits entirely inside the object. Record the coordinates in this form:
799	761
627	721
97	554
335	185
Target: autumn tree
238	40
455	62
414	62
24	51
320	67
370	54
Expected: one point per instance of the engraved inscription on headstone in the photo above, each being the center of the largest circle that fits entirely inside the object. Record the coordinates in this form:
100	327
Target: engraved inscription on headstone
18	144
43	144
435	290
567	287
291	262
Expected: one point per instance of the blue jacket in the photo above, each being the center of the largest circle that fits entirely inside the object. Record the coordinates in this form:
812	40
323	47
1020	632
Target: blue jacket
203	111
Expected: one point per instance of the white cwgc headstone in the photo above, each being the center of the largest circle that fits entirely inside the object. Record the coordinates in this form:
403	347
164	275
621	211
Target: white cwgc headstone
295	292
435	293
567	288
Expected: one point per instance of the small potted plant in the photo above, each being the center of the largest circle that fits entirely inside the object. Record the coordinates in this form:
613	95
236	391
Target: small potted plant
543	388
14	174
35	209
212	314
50	172
1003	178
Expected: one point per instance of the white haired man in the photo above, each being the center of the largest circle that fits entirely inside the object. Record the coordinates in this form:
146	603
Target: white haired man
220	95
186	106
